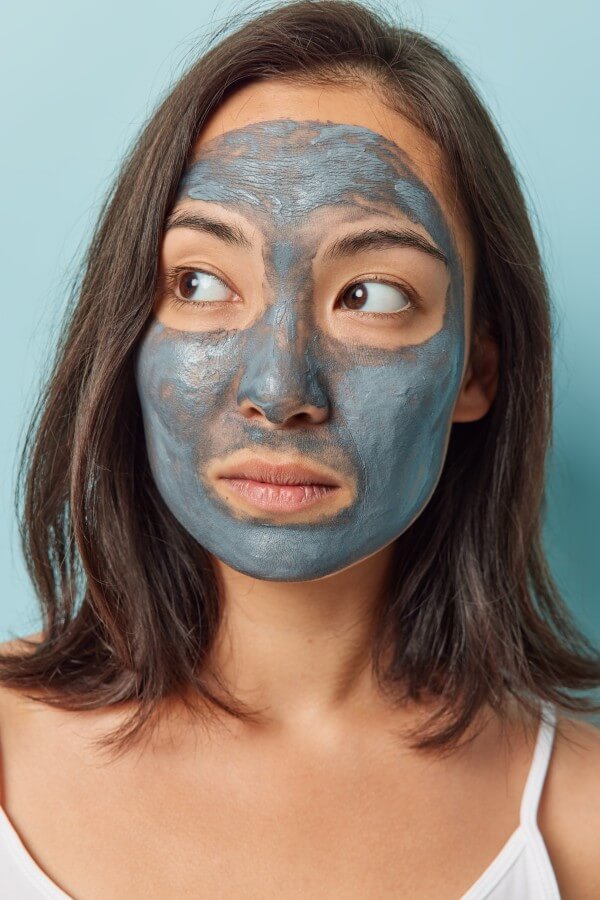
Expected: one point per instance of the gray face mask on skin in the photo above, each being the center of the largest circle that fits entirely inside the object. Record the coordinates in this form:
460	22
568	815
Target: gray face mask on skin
389	411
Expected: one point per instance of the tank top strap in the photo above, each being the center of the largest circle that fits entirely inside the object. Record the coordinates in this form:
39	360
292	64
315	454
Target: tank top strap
534	785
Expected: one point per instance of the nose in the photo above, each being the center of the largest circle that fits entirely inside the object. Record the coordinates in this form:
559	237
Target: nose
280	380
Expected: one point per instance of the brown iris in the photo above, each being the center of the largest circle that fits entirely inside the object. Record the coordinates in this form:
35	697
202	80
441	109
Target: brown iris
188	283
355	296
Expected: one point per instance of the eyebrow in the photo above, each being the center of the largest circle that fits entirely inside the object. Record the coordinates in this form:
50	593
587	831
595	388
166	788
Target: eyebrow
231	234
372	239
382	239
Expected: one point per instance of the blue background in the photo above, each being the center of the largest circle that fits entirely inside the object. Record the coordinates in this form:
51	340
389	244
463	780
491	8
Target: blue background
77	81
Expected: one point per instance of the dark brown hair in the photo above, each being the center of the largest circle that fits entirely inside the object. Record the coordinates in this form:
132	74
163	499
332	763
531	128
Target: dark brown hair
131	604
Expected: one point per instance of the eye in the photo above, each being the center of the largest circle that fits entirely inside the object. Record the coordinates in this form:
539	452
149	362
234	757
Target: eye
198	286
375	296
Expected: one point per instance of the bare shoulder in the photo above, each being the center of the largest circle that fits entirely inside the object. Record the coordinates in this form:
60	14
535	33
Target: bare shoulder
9	698
569	812
18	645
11	701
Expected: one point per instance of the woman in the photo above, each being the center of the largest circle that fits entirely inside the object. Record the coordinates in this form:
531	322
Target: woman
281	506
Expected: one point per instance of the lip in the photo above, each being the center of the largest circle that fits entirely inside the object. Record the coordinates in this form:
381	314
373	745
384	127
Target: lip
278	487
271	496
279	473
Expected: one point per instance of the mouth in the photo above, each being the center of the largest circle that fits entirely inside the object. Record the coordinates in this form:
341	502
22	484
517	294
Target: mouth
280	487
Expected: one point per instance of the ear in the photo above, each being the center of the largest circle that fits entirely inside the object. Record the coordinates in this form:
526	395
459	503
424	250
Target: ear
480	381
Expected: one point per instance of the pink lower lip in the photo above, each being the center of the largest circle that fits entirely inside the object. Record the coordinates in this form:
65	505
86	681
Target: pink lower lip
279	496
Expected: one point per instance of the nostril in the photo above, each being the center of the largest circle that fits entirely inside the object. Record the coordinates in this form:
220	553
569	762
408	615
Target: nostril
280	389
283	412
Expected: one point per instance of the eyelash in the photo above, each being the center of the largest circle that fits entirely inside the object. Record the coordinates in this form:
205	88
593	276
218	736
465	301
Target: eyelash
171	278
172	275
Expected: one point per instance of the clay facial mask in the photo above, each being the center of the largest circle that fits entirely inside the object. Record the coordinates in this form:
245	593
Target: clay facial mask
289	370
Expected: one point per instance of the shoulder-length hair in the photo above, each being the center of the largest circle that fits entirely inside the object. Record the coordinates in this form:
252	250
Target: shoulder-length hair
131	604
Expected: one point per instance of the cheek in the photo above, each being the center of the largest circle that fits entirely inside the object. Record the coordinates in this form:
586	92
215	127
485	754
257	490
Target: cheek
181	378
399	415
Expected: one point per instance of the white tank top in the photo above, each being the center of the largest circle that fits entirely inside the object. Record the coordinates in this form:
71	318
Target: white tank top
521	871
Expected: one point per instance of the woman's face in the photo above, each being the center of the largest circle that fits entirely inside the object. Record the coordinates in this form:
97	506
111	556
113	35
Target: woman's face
313	309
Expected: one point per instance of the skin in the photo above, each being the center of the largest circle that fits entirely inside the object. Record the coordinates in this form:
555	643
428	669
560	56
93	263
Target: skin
369	393
319	626
323	798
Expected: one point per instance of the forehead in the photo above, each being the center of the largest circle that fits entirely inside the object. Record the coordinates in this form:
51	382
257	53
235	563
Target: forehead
294	168
355	104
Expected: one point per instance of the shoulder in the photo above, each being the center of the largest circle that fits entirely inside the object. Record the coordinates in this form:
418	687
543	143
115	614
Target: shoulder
569	814
11	700
20	644
17	645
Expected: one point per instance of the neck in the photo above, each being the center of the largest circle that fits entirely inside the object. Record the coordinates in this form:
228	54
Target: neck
300	651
